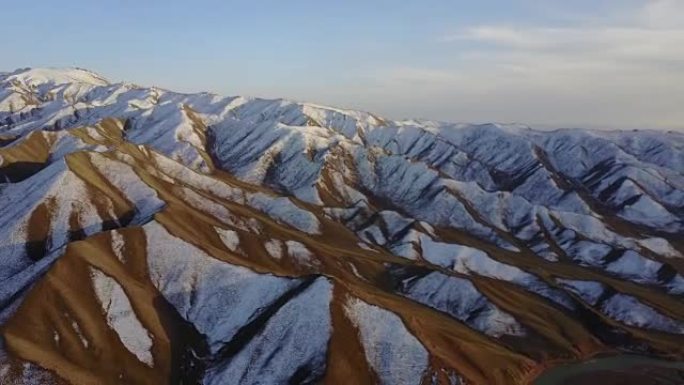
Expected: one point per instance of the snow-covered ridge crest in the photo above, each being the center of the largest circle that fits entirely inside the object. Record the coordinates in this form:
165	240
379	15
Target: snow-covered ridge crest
57	76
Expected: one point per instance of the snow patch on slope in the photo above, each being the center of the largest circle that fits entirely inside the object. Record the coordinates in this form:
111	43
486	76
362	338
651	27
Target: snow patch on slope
218	298
121	316
293	342
633	312
137	192
392	351
230	238
459	298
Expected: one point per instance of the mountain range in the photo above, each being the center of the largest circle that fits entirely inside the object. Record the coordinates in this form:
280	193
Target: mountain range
155	237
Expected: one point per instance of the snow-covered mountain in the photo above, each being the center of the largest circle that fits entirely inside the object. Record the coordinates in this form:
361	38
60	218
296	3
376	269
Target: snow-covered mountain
153	237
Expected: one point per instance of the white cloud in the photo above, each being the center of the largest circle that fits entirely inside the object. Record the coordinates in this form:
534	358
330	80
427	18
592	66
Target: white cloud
581	42
663	14
613	73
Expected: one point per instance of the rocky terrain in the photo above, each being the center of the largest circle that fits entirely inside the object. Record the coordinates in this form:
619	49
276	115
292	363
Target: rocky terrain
154	237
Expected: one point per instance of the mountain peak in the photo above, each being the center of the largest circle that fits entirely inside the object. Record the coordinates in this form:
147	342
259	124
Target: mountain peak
56	76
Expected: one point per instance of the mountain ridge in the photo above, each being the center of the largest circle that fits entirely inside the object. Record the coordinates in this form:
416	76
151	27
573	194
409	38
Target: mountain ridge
97	79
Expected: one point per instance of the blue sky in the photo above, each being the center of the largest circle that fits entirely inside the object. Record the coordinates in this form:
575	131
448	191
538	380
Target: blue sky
600	63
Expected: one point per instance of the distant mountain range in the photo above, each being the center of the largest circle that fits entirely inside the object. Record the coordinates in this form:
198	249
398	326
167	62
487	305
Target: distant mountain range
154	237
